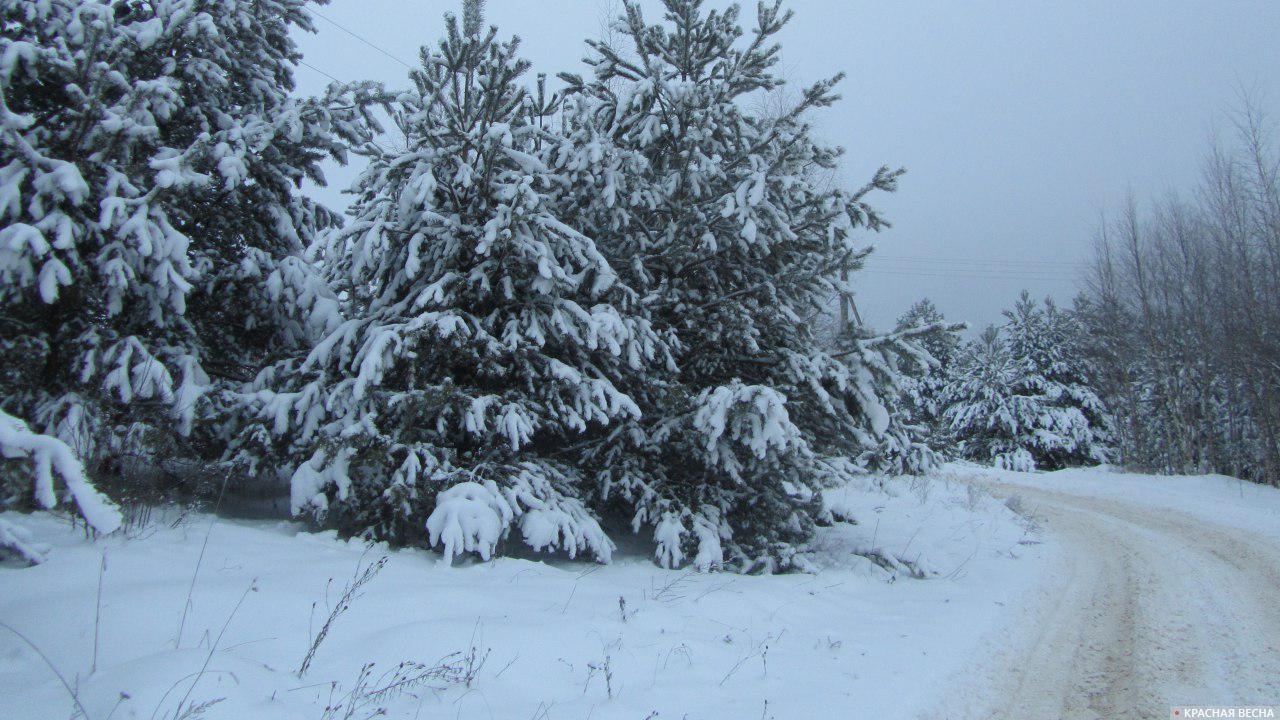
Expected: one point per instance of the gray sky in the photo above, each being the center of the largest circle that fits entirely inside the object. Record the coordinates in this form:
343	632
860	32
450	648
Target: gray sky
1019	121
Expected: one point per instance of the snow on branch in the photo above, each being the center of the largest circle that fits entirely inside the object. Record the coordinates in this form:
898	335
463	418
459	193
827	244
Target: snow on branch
50	455
469	517
18	540
907	334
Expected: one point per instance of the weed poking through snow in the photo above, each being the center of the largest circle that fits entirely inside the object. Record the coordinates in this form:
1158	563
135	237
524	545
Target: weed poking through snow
349	593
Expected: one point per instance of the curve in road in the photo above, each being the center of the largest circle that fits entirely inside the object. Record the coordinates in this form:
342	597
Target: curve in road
1150	608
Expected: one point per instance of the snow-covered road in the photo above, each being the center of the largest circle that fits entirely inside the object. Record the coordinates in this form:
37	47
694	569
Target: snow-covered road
1150	604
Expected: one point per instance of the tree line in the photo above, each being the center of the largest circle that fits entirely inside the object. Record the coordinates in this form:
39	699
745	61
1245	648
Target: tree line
547	318
1167	361
1183	316
547	314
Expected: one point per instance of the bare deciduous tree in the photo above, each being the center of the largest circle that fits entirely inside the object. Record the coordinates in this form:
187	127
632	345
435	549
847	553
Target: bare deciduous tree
1184	312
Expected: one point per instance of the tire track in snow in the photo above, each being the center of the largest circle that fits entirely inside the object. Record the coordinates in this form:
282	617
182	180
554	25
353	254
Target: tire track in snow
1149	608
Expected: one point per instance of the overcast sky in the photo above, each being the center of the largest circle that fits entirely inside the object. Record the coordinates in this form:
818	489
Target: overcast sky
1019	121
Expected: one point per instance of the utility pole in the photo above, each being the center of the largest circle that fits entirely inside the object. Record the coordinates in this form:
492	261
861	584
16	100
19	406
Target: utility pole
849	314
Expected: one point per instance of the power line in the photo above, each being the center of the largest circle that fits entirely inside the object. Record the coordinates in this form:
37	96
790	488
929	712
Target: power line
949	264
1026	270
971	276
994	272
352	33
1012	264
1026	274
979	272
1001	261
976	267
304	63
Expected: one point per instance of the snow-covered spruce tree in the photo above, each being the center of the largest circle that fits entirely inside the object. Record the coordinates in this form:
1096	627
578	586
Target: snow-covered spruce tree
887	368
986	420
939	339
50	457
149	163
1031	406
1069	385
924	390
484	335
714	214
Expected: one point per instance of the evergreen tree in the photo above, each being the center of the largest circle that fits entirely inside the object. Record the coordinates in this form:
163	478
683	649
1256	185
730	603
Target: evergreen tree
715	216
1021	397
149	162
938	338
942	342
1069	375
484	335
888	368
50	457
1071	427
986	420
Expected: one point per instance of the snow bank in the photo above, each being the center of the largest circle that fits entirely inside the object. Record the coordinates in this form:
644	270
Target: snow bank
933	526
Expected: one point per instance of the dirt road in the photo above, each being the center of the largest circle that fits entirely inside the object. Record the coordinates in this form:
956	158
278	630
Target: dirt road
1150	609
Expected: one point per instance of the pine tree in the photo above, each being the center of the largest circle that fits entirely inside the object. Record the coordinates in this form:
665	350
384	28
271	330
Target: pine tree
483	338
938	338
1071	429
887	369
714	214
150	158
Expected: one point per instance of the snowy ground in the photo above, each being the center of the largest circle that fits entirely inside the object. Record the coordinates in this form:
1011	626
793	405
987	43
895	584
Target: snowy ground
1136	593
1217	499
535	639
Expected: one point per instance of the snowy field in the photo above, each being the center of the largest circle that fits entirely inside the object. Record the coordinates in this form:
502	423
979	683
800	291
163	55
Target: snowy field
513	638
